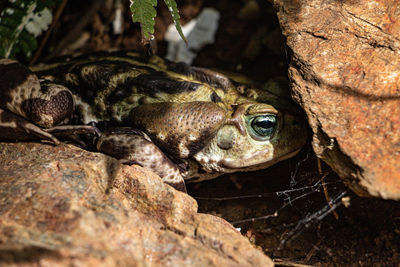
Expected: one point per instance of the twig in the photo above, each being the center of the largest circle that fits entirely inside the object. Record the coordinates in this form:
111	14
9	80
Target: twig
281	262
275	214
311	252
59	11
269	194
312	218
77	28
326	193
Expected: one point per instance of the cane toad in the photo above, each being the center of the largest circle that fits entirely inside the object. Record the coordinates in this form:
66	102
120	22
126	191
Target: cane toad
183	122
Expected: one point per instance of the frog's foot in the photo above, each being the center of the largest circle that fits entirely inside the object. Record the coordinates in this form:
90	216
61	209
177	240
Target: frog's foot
132	146
66	130
83	136
14	127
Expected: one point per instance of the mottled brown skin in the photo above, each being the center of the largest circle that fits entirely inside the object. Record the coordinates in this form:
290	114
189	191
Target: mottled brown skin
180	121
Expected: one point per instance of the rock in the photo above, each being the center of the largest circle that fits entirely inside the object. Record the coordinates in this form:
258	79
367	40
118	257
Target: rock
61	205
345	73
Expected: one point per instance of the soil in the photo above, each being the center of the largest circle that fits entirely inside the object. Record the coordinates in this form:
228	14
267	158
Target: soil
297	224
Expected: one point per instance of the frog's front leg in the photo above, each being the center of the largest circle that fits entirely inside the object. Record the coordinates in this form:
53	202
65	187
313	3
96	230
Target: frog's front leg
14	127
28	105
132	146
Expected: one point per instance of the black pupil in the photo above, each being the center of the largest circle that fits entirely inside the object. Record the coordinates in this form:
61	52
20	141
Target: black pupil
264	125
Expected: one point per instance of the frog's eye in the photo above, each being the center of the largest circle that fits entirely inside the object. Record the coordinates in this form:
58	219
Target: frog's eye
262	127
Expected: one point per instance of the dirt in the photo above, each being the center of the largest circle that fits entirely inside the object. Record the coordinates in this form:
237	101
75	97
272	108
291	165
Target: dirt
290	200
296	227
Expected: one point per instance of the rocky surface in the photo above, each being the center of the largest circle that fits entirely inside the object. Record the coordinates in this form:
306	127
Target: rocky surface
345	73
60	205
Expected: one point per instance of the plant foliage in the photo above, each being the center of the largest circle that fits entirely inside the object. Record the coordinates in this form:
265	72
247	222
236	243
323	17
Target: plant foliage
144	12
23	20
20	23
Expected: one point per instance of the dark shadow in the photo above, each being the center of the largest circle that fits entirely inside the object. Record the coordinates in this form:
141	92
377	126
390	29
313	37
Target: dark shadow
29	254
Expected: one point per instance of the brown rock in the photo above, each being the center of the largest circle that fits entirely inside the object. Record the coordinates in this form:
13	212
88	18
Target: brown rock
66	206
345	72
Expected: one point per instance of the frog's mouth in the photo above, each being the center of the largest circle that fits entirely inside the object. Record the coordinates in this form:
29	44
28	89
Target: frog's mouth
242	166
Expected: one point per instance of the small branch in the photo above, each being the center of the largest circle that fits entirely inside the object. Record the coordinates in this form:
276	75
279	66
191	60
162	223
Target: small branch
72	35
46	37
282	262
326	193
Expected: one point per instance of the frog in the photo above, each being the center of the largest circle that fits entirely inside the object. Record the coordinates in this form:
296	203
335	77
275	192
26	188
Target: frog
185	123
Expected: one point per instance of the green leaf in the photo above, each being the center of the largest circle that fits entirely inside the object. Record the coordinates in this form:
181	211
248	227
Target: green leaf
27	44
26	47
171	4
144	12
20	23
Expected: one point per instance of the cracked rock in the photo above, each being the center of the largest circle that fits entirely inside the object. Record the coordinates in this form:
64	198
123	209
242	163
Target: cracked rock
345	73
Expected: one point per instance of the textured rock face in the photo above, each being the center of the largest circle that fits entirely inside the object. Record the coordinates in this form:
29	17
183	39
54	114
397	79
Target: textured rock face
345	72
66	206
